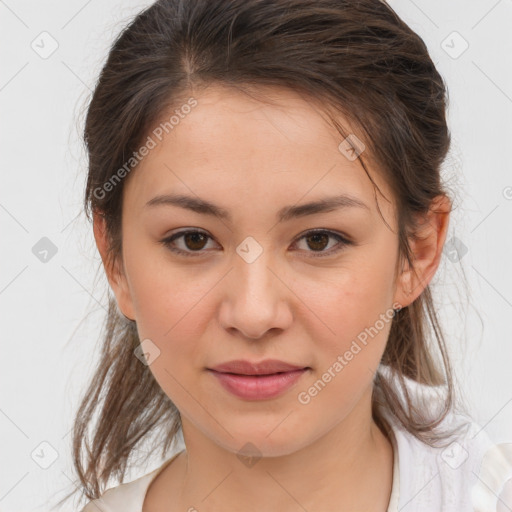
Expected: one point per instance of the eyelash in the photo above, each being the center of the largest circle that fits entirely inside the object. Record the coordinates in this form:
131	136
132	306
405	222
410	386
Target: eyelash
319	254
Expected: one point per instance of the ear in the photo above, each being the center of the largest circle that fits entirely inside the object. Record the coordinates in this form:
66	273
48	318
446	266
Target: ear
115	275
426	246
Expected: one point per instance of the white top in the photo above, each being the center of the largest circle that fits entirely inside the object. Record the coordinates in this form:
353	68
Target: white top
425	479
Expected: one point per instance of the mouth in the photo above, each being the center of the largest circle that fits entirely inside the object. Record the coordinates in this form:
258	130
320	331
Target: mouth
257	381
266	367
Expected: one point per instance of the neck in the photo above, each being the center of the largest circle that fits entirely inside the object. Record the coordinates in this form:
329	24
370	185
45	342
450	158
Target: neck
351	466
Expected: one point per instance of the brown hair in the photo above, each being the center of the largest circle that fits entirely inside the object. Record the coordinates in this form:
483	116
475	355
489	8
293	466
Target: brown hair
355	58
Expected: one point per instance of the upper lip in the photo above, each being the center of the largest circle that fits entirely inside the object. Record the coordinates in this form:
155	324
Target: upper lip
266	367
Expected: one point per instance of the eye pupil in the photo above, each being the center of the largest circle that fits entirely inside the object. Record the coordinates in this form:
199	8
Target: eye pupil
194	236
315	237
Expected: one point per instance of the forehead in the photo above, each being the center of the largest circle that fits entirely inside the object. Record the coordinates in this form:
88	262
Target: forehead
236	146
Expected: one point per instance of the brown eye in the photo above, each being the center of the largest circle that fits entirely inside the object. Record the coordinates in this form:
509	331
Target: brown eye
192	242
317	241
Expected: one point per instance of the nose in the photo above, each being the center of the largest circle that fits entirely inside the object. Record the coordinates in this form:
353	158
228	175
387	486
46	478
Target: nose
255	298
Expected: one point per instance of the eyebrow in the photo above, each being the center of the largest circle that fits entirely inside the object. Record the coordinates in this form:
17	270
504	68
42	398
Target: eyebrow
202	206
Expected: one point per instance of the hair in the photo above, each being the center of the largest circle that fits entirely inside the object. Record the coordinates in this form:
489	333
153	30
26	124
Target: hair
358	59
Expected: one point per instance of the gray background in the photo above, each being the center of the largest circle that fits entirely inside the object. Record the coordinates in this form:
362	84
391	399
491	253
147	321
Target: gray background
52	310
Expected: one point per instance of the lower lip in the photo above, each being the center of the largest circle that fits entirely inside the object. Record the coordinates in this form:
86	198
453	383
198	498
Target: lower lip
252	387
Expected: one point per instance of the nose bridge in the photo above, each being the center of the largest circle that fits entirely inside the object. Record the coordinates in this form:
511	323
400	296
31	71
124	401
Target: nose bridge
253	303
252	276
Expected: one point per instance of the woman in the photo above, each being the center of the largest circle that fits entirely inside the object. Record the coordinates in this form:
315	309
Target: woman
264	183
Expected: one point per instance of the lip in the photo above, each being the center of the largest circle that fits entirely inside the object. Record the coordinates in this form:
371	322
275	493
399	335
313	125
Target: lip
265	367
257	381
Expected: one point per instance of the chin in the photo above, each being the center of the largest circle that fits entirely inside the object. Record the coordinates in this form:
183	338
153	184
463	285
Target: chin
256	442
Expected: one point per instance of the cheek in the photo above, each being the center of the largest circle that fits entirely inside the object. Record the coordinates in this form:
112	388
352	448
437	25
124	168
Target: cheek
355	311
165	296
170	305
348	352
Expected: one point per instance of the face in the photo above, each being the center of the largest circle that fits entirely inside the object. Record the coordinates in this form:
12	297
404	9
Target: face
266	279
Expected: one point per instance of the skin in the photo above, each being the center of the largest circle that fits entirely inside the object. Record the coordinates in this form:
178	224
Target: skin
253	158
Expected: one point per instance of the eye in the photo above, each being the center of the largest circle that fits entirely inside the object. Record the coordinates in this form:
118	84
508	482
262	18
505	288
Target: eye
318	240
194	241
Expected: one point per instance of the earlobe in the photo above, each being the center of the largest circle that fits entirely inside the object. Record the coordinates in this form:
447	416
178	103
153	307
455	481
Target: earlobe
404	288
116	278
426	248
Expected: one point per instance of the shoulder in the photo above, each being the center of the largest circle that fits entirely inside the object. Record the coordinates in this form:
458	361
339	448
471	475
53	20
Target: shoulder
445	474
127	497
444	477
